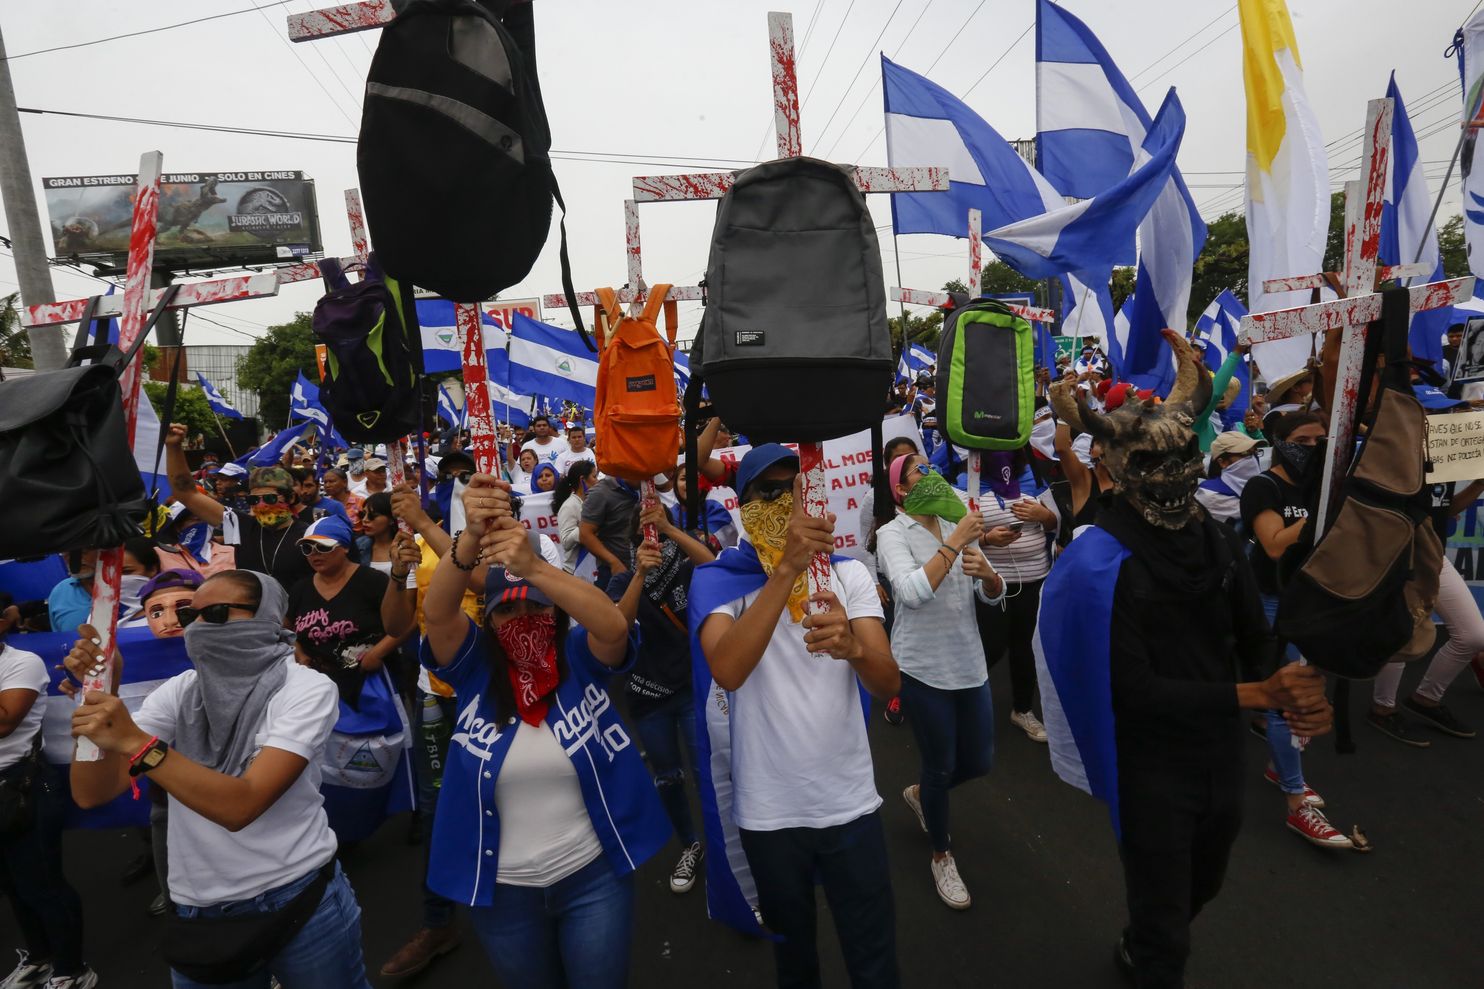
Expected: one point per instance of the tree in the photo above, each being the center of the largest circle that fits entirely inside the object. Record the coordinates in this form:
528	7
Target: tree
191	408
274	363
919	329
15	346
1455	252
1222	264
997	276
1121	285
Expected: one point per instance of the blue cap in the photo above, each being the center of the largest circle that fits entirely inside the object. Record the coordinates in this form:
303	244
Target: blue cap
330	529
759	459
355	453
500	585
1433	398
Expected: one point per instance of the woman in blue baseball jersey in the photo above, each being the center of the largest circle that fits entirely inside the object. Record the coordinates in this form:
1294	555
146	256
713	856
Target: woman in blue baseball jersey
546	806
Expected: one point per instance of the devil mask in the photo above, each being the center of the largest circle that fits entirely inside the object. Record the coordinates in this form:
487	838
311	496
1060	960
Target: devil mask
1148	448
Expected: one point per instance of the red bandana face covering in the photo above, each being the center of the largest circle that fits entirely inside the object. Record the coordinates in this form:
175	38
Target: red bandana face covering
529	642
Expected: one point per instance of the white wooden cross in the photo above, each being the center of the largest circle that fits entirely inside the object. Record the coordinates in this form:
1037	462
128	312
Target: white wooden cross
132	309
919	297
714	185
1360	305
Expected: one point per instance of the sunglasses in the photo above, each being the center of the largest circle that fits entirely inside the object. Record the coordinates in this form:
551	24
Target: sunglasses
368	516
923	469
772	490
212	614
267	499
309	547
461	476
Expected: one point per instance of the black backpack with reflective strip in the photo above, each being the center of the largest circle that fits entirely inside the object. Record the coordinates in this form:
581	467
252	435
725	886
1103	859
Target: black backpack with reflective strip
454	151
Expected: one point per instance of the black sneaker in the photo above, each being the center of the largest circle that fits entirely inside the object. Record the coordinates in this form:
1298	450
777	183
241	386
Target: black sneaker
1397	727
1440	718
683	876
893	713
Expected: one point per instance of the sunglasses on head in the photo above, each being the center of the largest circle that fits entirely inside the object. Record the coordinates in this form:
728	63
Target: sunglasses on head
311	546
212	614
267	499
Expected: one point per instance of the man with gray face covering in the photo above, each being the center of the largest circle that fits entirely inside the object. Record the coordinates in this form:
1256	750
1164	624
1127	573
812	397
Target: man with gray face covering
236	744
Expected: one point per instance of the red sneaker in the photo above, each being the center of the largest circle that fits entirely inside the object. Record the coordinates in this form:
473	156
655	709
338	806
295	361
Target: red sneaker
1310	797
1311	825
893	713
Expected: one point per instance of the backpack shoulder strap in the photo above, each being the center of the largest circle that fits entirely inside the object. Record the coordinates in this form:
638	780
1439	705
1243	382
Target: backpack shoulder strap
608	316
659	297
333	274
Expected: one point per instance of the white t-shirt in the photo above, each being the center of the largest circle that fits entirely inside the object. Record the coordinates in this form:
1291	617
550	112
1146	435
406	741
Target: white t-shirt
208	863
545	832
21	670
570	457
799	752
547	452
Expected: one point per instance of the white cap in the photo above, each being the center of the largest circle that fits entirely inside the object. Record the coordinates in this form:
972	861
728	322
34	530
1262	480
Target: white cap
233	470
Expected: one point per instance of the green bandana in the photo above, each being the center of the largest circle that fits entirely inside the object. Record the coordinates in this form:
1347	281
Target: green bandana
933	495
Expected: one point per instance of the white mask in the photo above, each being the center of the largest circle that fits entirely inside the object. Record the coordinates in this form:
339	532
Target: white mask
1238	474
130	584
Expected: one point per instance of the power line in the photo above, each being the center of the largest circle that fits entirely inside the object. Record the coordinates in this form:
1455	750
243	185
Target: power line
827	53
803	47
997	61
152	30
1183	43
305	65
858	69
1187	58
861	105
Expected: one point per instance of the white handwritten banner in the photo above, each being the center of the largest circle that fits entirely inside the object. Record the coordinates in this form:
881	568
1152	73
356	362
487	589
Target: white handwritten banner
1455	445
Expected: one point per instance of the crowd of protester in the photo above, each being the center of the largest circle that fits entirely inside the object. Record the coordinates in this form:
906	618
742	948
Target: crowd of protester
549	684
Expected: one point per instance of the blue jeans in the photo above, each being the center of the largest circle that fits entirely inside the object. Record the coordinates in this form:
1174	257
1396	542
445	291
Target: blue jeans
664	732
955	731
849	861
47	909
438	911
1287	760
325	954
573	934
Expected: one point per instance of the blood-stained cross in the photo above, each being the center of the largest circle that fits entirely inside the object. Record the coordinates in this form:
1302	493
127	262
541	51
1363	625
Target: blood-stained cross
1360	305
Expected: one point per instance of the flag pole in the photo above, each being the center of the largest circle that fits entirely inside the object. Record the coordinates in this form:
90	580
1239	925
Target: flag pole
223	430
1463	133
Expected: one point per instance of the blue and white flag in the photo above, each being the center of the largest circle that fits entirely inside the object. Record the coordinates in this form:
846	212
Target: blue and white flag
448	411
271	452
915	358
1218	326
508	406
682	371
927	125
1094	232
443	350
1406	234
1045	346
214	398
304	403
1117	338
1087	307
551	361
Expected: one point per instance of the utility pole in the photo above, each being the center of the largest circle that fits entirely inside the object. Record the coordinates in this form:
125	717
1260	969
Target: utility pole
48	350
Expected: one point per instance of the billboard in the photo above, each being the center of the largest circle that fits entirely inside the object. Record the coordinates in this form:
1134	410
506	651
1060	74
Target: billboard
206	218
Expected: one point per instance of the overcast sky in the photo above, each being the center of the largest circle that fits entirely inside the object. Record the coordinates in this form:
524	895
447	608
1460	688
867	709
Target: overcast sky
684	78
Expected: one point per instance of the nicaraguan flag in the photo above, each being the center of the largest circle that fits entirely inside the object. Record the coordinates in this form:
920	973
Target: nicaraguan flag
1087	306
1072	661
271	452
508	406
915	358
1406	233
214	398
927	125
443	349
304	403
447	410
682	371
1218	326
548	360
1092	233
1118	338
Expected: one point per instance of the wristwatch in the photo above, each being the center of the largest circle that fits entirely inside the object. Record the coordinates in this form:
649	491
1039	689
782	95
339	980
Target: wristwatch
150	758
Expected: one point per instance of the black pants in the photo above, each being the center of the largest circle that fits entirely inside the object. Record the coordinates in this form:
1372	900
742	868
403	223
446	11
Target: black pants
47	908
1010	629
849	860
1178	828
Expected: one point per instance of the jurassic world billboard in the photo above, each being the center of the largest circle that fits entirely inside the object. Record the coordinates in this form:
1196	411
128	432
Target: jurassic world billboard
207	219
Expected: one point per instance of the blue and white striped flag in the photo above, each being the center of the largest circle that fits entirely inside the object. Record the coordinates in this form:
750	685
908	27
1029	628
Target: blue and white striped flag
915	358
1091	124
271	452
1118	339
1218	326
1405	211
214	398
508	406
682	371
1087	307
551	361
448	411
442	348
304	403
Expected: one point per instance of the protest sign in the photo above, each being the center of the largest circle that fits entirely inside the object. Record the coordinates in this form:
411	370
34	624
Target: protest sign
1455	447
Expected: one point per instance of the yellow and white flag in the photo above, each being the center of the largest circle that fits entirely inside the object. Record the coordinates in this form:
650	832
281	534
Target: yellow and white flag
1287	174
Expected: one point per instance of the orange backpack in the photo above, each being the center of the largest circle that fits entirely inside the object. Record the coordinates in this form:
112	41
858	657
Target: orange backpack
637	410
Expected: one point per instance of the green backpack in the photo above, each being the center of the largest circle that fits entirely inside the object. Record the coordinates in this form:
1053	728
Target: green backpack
986	377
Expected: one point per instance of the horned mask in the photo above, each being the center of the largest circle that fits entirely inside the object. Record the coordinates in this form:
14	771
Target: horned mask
1148	447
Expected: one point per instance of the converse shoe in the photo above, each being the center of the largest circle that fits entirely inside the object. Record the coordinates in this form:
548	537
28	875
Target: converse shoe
910	796
1397	727
951	888
27	975
1026	722
1439	717
86	979
683	876
1311	825
893	713
1310	797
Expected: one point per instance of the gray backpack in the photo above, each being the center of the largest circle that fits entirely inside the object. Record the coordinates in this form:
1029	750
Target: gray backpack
794	344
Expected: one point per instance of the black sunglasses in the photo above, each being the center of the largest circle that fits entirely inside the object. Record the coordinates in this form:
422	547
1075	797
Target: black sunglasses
772	490
212	614
459	475
311	546
267	499
368	516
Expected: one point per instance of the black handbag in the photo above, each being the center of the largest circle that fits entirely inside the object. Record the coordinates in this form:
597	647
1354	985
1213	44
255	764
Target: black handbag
68	479
17	805
220	950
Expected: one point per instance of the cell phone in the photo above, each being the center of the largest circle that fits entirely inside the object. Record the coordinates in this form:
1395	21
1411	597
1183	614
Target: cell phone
1016	526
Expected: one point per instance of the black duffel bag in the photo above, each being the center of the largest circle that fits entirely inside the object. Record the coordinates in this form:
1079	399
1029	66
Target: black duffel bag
68	479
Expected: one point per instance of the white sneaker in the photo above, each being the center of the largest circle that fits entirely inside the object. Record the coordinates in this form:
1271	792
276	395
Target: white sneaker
951	888
86	979
1026	722
683	876
26	974
910	796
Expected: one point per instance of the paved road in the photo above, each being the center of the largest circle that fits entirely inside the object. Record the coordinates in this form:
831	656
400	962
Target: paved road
1039	859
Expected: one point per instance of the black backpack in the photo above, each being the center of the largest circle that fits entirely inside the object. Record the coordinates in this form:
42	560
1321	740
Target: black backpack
68	479
794	344
454	150
374	356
